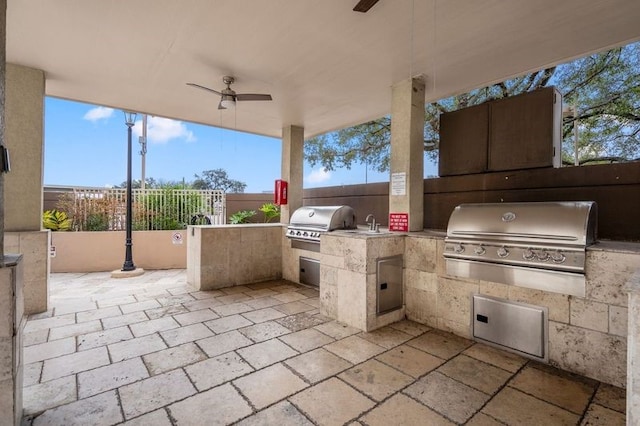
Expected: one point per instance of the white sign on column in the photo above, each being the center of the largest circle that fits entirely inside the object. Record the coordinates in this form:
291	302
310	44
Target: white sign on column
399	183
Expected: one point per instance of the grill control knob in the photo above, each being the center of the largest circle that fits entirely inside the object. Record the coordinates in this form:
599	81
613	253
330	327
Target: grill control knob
558	257
458	248
503	252
528	254
543	255
480	250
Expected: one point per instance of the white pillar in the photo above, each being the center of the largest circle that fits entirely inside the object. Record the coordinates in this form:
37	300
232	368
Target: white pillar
633	351
406	191
292	168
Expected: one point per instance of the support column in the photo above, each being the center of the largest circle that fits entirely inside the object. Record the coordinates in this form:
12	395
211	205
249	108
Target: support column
406	191
633	350
24	137
292	168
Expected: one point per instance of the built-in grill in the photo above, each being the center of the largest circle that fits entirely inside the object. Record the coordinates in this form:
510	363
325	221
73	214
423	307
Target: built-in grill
310	222
536	245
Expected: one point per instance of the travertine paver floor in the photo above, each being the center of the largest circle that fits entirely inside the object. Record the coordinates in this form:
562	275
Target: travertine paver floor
152	351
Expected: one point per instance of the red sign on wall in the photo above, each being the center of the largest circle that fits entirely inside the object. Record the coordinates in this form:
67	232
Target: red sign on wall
399	222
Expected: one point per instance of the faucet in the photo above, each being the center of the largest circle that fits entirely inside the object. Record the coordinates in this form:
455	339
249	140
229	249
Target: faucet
372	225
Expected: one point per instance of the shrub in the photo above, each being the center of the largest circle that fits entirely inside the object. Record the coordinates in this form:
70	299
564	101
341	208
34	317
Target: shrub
242	216
56	220
270	210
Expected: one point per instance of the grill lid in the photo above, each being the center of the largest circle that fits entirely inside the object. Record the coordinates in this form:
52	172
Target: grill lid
541	223
307	223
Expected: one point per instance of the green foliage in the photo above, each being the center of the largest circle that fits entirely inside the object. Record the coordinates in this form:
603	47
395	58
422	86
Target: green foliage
218	179
242	216
97	222
605	88
166	211
56	220
270	211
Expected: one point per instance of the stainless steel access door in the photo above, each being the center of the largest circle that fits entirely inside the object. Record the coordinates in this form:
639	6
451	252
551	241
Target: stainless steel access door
389	284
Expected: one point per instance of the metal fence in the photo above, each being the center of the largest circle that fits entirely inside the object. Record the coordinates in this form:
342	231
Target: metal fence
153	209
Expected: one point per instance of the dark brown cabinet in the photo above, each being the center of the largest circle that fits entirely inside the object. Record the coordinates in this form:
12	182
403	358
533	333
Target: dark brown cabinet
520	132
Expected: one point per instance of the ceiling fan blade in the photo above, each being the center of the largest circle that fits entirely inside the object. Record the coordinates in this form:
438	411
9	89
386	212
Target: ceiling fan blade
253	97
204	88
364	5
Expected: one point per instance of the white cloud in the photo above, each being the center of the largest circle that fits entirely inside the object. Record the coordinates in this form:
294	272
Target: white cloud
162	130
318	175
98	113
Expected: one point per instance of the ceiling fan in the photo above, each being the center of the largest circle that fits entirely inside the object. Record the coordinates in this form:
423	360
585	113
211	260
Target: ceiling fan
364	5
228	96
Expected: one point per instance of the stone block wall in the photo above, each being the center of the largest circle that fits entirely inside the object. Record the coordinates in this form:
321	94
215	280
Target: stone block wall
586	335
227	255
34	247
348	266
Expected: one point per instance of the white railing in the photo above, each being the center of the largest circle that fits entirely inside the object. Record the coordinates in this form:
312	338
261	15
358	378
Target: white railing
153	209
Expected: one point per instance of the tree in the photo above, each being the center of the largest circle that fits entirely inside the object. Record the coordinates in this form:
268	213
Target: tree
218	179
604	87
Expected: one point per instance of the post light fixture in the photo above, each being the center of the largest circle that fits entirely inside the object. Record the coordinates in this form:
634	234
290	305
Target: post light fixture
129	120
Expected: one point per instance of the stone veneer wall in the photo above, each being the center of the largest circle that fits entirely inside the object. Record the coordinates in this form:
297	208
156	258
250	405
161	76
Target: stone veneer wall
34	247
227	255
586	335
348	266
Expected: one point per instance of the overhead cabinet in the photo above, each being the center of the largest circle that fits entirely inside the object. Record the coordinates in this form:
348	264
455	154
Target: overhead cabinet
519	132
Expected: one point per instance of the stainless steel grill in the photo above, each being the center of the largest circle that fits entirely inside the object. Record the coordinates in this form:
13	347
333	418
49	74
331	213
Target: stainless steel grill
536	245
310	222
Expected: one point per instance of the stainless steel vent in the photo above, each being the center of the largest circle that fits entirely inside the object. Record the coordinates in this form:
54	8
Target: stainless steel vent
536	245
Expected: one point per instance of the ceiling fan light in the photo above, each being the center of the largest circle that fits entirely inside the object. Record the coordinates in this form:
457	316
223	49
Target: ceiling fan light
227	101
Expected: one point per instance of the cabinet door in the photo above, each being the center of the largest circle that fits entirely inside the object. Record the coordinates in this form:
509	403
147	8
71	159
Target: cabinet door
463	141
522	131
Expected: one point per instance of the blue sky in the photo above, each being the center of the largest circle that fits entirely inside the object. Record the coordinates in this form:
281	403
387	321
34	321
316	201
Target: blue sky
86	145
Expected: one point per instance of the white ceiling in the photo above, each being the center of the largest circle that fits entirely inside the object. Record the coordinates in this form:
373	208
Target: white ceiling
326	66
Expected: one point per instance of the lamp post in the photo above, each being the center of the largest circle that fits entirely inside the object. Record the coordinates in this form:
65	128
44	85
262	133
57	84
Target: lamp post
129	120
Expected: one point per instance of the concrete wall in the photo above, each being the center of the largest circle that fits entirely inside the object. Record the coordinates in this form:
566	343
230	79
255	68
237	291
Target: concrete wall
104	251
227	255
34	247
587	335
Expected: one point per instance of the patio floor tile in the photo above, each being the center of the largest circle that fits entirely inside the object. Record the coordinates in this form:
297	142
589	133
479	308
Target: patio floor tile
74	363
172	358
104	337
354	349
229	323
402	410
317	365
505	360
155	418
442	345
306	340
153	326
195	317
263	315
281	414
266	353
136	347
73	307
186	334
566	392
264	331
332	402
49	350
218	370
110	377
125	319
198	410
264	364
38	398
410	360
375	379
222	343
514	407
269	385
155	392
448	397
98	410
479	375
